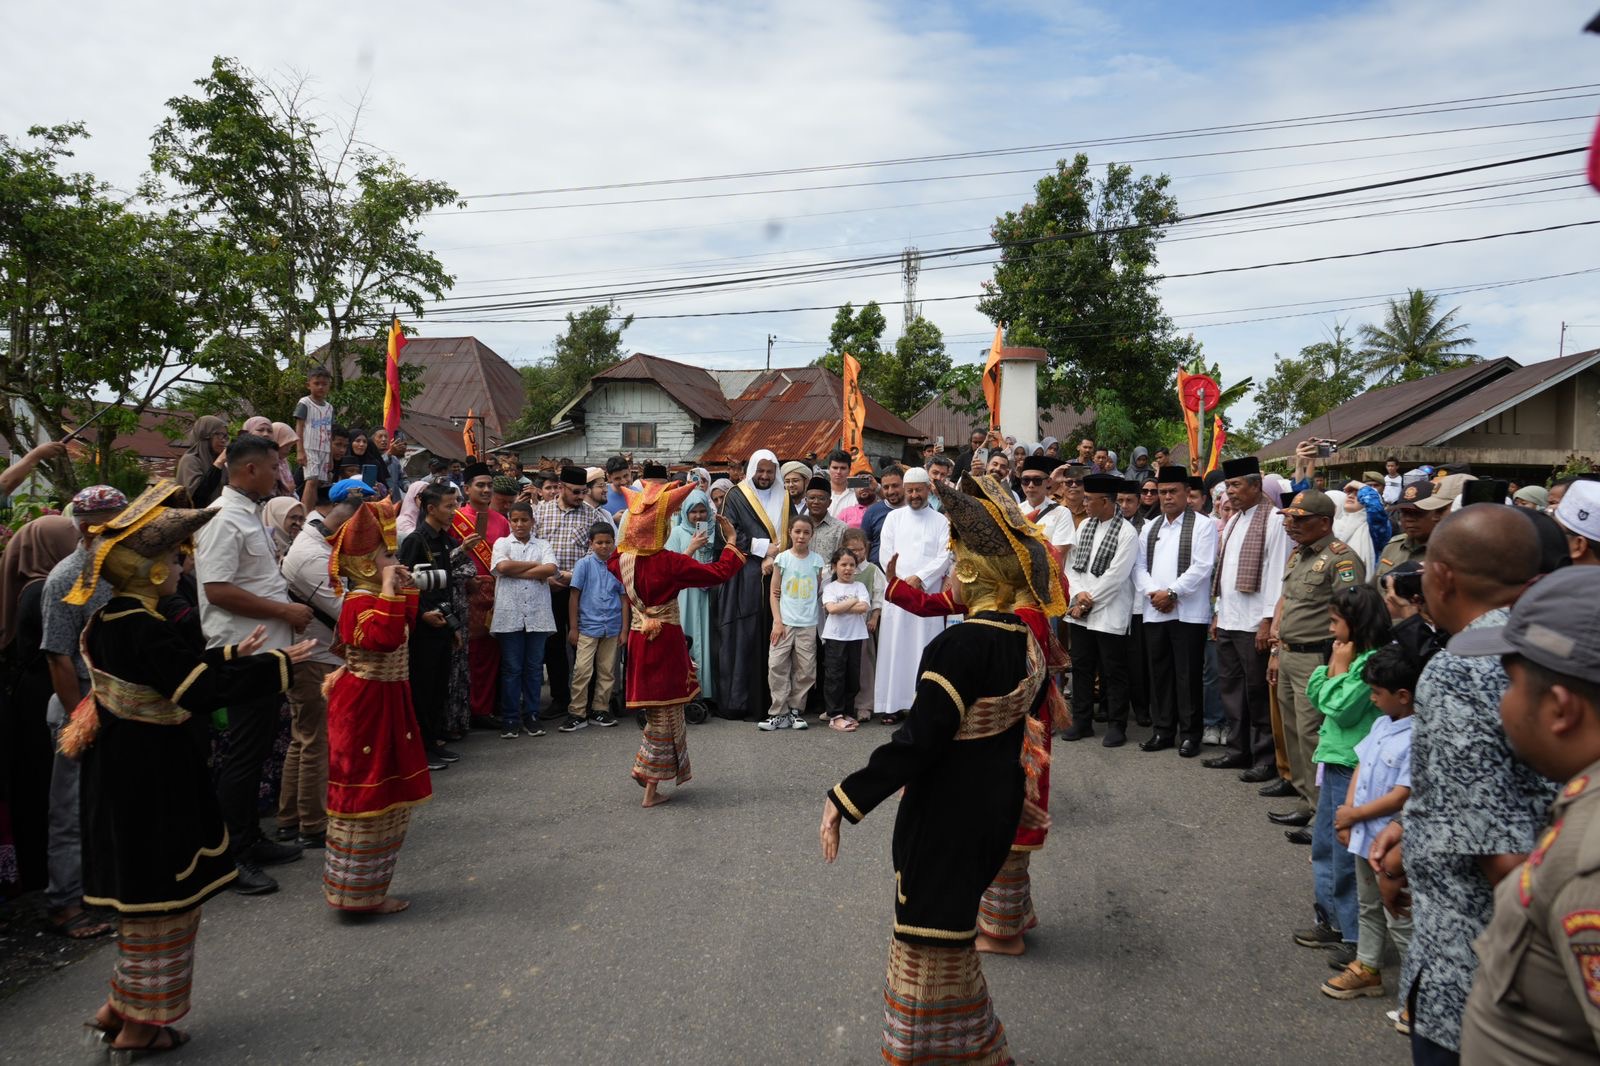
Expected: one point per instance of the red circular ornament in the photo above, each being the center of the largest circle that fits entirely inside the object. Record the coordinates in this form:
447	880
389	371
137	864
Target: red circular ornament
1192	388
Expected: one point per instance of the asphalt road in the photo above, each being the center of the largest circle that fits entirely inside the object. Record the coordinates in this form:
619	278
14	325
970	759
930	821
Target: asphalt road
555	921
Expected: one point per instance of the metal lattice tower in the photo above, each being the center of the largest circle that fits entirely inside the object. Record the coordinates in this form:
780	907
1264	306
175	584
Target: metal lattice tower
910	266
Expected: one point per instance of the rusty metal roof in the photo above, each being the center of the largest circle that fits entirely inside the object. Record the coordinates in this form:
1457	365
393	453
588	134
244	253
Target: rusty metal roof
693	388
459	374
810	394
435	435
1480	403
1379	414
787	440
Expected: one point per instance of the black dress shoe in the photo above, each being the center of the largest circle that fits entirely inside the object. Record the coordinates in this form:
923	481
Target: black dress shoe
1257	774
1116	736
1299	836
286	833
1226	762
270	853
1189	748
1298	818
1077	731
1156	742
1279	789
312	840
442	752
252	880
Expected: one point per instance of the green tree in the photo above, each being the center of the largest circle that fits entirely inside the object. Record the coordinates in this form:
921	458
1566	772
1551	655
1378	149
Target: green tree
591	342
96	298
859	333
1306	387
1414	341
902	379
1077	277
316	230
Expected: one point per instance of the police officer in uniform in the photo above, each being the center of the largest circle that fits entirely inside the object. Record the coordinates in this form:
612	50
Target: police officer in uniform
1301	641
1536	996
1419	511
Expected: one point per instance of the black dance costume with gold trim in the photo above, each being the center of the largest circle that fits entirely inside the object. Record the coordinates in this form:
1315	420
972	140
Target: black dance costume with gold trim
958	758
154	841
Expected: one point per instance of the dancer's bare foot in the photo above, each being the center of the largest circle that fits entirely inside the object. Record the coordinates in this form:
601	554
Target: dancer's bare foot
653	797
106	1020
996	946
141	1037
391	906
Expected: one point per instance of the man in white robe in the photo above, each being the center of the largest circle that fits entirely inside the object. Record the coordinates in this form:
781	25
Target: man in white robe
920	537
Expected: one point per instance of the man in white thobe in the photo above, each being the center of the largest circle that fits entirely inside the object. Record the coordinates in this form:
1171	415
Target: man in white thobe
920	537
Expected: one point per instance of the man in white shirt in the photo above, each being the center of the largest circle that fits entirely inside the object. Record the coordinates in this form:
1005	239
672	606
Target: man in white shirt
303	797
240	589
1100	579
1393	482
1172	575
920	537
838	477
1247	583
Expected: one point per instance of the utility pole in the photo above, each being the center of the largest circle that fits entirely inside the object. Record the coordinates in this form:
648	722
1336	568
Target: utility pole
910	267
1561	348
770	338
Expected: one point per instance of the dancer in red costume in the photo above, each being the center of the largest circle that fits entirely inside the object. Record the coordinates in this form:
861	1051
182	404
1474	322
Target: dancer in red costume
1007	908
378	769
661	677
483	651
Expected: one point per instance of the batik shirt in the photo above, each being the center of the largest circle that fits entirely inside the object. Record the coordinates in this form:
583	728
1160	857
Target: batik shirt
1469	797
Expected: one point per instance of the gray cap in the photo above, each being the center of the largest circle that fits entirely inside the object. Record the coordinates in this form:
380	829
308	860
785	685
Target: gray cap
1555	624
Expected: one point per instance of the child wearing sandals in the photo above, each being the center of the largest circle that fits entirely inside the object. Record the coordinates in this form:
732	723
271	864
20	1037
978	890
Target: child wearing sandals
844	632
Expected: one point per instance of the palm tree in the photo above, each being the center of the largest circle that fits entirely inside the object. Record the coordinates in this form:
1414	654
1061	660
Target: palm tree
1414	341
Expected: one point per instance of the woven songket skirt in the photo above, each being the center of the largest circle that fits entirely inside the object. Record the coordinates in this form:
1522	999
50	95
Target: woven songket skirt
937	1008
1006	910
155	968
360	858
664	751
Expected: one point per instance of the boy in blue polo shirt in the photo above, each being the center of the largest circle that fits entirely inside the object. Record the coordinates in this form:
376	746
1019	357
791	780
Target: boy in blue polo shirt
598	614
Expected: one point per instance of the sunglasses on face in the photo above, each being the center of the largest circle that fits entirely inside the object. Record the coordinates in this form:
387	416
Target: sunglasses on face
1147	492
1033	481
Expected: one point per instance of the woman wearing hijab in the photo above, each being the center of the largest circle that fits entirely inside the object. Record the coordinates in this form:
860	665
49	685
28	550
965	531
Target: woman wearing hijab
25	748
287	440
284	516
695	535
200	468
719	492
1350	524
360	450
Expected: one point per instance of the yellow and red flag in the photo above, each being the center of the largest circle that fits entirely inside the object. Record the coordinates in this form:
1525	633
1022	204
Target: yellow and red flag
1219	437
391	370
854	424
991	378
1191	421
469	435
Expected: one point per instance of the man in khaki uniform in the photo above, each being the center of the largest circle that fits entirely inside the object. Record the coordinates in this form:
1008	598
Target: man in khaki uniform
1536	995
1301	640
1420	509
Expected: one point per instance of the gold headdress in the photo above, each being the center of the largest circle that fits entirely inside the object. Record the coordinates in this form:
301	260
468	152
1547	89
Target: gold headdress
137	562
357	543
144	509
1002	560
650	512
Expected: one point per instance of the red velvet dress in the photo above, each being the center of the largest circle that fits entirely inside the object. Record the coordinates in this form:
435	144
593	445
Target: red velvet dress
920	603
375	753
483	651
660	672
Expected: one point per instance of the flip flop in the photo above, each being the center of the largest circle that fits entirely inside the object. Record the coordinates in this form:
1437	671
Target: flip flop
842	724
81	926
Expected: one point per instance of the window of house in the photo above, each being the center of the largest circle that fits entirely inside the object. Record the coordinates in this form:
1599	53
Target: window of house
638	435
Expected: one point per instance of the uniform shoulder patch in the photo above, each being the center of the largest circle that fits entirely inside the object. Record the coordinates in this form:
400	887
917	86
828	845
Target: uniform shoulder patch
1338	547
1575	922
1345	569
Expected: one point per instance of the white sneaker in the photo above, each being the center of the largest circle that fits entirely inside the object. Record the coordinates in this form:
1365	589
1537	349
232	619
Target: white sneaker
1211	735
776	721
797	720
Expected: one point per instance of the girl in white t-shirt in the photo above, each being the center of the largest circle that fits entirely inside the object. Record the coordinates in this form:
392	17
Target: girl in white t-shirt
844	632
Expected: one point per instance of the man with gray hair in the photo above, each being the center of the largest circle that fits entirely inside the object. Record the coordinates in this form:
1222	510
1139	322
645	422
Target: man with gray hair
916	540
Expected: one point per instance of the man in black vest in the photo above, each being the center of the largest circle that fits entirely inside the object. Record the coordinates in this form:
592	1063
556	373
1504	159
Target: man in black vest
1172	576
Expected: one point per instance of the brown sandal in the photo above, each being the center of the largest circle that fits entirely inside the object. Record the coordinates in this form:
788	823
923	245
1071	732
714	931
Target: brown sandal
81	926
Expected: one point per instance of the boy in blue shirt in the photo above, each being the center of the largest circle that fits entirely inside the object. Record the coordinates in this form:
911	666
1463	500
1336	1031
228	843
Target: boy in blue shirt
792	662
597	616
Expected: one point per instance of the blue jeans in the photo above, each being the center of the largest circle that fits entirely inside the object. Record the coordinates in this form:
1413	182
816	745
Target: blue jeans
1332	866
1212	712
521	675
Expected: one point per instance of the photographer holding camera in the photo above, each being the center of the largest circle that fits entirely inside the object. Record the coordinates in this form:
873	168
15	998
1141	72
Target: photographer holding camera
428	552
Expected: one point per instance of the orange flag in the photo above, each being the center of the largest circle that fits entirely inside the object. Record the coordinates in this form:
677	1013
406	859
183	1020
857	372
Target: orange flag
854	423
1219	437
469	435
991	379
1192	422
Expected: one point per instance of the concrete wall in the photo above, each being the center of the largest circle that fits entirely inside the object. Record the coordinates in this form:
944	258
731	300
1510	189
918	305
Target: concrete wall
1562	419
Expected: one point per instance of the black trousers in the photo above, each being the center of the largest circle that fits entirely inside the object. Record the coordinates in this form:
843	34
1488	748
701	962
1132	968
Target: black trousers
557	654
1139	668
1177	658
1242	680
842	659
1105	654
430	651
252	727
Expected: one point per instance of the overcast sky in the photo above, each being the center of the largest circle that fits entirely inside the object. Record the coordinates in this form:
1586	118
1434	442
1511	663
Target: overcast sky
518	97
